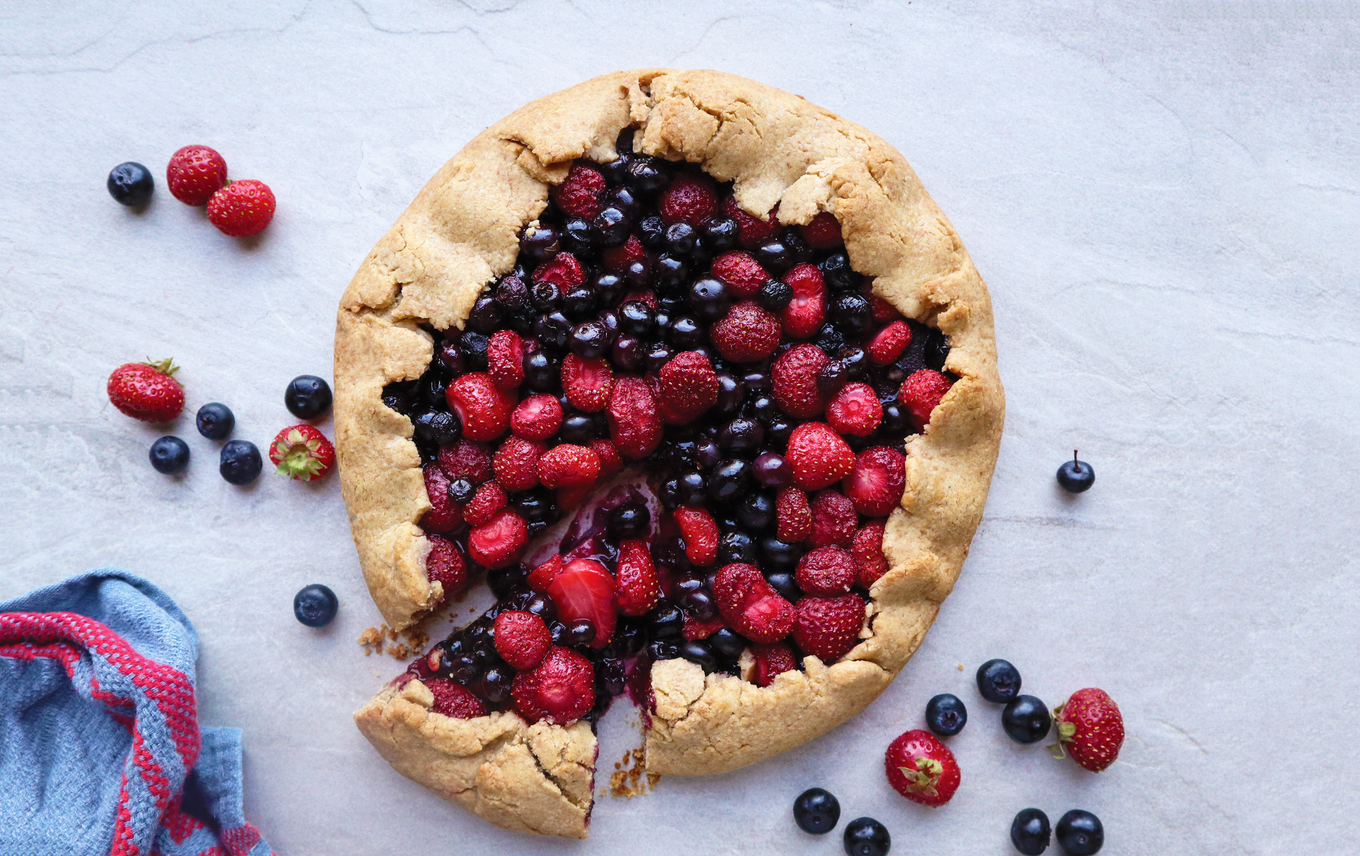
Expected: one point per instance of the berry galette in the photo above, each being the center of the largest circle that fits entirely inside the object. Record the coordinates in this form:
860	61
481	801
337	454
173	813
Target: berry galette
702	384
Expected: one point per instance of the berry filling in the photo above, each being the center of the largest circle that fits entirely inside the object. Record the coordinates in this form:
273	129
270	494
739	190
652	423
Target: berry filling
673	429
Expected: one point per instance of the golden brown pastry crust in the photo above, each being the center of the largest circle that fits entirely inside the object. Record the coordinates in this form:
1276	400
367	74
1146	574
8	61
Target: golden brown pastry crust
462	231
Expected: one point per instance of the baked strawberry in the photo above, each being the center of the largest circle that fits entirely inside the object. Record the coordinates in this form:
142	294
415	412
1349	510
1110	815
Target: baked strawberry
617	259
826	571
521	638
453	699
516	463
746	334
564	271
445	565
700	534
770	661
921	768
537	417
806	312
855	411
583	589
818	455
568	465
543	575
194	174
876	482
587	382
505	359
638	587
688	386
465	460
610	460
1090	728
884	311
742	273
147	391
444	515
242	208
823	233
889	343
697	628
833	519
828	627
794	377
500	541
488	499
579	193
302	452
483	407
867	549
751	231
921	393
793	516
690	199
750	605
634	419
560	690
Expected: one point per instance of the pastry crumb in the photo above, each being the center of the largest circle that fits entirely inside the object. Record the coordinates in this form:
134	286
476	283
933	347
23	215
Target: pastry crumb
632	778
384	640
960	667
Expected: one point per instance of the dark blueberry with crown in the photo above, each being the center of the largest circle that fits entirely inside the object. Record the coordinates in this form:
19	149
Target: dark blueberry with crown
817	811
169	455
315	605
240	462
131	184
865	836
307	397
1030	832
946	715
998	681
215	421
1026	719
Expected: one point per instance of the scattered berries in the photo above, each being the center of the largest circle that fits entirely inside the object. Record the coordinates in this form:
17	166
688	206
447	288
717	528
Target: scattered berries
240	462
169	455
215	421
921	392
1076	476
559	690
307	397
1030	832
1080	833
131	184
483	407
521	638
194	174
828	627
816	811
315	605
1090	728
500	542
998	681
819	456
855	410
865	836
1025	719
922	769
746	334
147	391
302	453
946	715
242	208
876	481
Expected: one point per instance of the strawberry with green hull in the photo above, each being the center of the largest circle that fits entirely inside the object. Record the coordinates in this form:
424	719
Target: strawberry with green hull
147	391
922	769
301	452
1090	729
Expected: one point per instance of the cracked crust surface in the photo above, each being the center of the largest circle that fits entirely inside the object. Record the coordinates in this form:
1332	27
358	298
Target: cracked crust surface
462	231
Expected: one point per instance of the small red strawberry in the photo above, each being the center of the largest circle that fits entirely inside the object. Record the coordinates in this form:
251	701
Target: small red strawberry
818	455
500	541
876	483
587	382
194	174
147	391
690	199
889	343
560	690
638	588
516	463
833	519
794	377
488	499
823	233
806	312
634	419
483	407
867	548
688	386
242	208
610	460
1090	728
855	410
302	452
793	516
568	465
445	565
828	627
696	628
444	515
771	661
465	460
543	575
751	231
884	312
826	571
921	393
700	534
537	417
505	359
750	605
453	699
746	334
647	296
521	638
921	768
563	271
579	193
583	589
617	259
742	273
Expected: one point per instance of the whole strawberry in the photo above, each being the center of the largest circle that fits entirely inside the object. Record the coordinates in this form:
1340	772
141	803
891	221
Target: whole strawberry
242	208
147	391
922	769
1090	727
302	452
195	173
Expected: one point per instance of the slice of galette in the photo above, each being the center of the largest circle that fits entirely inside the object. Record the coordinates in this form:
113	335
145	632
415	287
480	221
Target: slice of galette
703	384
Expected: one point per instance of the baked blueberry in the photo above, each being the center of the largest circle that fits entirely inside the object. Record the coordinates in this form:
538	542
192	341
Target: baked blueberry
1080	833
315	605
131	184
865	836
1076	476
628	520
439	427
307	397
1026	719
817	811
946	715
1030	832
998	681
169	455
240	462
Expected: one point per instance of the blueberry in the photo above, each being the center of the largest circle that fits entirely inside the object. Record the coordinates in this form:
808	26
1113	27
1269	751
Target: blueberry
652	232
816	811
865	836
437	426
1076	476
1080	833
240	462
580	632
588	340
578	429
736	546
539	243
545	296
1026	719
727	643
611	225
774	256
541	372
1030	832
637	319
756	511
666	620
485	316
681	239
461	490
628	520
836	271
779	555
579	236
946	715
852	313
131	183
307	397
700	654
709	298
998	681
685	333
645	177
774	295
728	481
784	584
772	469
169	455
315	605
